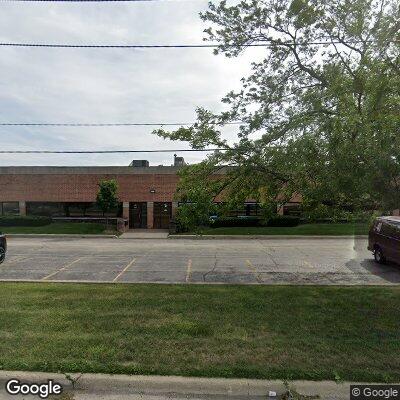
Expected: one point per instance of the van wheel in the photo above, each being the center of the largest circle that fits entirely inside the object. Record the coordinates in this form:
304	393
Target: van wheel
378	255
2	255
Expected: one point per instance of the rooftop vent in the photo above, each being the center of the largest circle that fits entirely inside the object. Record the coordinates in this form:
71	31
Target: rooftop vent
139	163
179	161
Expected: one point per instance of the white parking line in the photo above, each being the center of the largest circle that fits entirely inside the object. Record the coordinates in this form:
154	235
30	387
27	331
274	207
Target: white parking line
124	270
62	269
15	260
189	271
308	264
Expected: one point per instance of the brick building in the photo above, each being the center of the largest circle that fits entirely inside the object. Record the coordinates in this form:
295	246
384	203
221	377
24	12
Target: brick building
146	193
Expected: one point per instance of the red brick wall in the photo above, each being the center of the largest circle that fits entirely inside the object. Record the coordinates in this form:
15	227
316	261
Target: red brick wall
71	187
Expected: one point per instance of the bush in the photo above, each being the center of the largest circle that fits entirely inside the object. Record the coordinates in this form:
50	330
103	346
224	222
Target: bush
277	220
24	221
283	220
325	214
235	221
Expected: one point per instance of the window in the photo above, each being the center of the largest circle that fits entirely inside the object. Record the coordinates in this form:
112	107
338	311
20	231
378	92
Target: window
46	209
81	209
9	208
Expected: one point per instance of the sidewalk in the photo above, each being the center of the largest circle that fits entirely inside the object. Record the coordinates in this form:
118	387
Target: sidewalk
145	234
265	237
121	387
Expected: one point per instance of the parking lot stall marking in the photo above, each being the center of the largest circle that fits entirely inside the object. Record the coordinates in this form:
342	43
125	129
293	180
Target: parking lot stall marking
125	269
308	264
189	271
62	269
14	260
253	269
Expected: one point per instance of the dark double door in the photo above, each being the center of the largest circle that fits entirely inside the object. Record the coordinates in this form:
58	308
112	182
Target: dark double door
162	215
138	215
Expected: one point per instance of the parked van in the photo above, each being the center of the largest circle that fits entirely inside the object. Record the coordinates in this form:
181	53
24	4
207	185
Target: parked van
384	239
3	248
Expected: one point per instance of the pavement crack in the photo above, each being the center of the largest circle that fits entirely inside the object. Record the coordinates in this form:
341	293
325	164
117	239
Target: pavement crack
264	249
211	270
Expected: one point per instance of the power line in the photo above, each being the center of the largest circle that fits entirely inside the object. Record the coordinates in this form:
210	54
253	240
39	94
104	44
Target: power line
74	124
77	1
72	1
173	46
117	46
104	151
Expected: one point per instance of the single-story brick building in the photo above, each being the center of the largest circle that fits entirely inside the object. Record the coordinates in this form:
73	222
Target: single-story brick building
146	192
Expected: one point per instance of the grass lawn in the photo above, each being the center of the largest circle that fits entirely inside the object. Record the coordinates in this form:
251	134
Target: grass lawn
305	229
59	227
272	332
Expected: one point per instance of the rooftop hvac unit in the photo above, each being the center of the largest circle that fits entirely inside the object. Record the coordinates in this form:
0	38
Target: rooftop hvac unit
139	163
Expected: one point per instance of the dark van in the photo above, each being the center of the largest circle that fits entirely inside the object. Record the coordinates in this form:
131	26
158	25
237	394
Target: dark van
3	248
384	239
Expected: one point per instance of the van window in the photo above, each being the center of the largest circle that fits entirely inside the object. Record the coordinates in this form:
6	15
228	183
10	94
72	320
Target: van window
395	230
386	229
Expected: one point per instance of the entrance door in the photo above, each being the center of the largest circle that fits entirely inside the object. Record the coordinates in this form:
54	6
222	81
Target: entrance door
137	215
162	215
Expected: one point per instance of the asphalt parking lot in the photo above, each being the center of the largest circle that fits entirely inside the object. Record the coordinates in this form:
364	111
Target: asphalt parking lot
342	261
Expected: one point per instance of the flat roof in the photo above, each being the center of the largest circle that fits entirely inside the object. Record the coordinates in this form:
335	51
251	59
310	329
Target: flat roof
95	170
90	170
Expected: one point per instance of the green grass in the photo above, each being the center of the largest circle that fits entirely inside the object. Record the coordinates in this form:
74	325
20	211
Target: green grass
305	229
273	332
58	228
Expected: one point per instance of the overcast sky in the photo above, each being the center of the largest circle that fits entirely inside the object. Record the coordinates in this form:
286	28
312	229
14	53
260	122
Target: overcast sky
106	85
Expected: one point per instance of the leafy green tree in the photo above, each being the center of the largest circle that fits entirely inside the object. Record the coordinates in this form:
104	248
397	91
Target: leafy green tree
107	197
197	200
320	114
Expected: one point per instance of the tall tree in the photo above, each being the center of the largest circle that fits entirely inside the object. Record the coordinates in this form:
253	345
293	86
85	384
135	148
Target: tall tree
320	113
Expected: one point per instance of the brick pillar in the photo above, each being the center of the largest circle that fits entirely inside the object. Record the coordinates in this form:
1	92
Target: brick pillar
174	208
125	211
150	215
22	208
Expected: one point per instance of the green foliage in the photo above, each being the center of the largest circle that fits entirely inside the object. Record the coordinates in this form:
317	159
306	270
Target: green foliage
324	213
197	194
276	220
236	222
193	216
321	121
107	197
24	221
283	220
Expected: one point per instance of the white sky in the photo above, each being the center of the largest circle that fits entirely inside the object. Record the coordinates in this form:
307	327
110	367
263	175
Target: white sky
106	85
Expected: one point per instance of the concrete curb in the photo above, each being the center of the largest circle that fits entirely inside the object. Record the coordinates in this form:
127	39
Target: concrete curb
126	384
265	237
58	236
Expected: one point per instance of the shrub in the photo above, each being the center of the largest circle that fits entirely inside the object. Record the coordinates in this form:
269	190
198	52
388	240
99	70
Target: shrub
283	220
325	214
24	221
235	221
193	216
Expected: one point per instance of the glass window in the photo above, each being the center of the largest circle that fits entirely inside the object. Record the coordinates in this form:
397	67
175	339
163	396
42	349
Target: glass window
9	208
48	209
73	209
